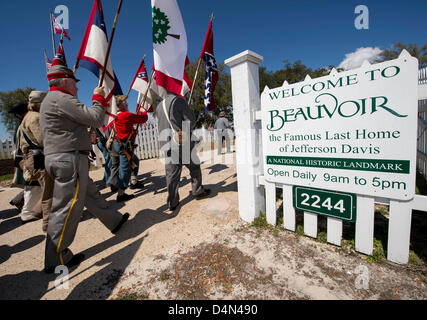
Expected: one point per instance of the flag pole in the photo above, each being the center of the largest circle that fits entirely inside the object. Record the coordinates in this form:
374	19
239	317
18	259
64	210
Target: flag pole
143	100
197	70
51	30
130	88
101	80
194	81
146	92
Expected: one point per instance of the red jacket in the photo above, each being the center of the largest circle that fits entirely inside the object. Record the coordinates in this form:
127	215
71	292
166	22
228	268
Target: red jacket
125	121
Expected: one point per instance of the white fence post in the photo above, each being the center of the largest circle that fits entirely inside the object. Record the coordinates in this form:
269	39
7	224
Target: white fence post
289	216
270	202
6	148
246	99
399	231
364	237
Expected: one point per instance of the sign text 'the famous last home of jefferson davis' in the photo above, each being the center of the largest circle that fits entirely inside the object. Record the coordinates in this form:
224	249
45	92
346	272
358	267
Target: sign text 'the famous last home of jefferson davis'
352	131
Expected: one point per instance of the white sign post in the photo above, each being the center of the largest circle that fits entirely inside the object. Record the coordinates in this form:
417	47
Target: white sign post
353	131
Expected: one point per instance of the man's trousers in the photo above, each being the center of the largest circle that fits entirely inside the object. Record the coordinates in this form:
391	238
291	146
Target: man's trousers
173	176
70	173
223	133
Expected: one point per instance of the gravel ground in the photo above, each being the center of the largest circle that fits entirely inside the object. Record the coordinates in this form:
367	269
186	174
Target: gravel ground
201	251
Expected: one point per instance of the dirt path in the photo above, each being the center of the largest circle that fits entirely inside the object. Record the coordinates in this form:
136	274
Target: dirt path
202	251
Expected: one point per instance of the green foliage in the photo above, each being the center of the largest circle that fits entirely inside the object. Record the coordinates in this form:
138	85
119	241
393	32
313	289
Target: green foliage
164	276
421	184
260	222
128	295
9	99
378	254
412	48
160	26
322	237
6	177
414	259
292	73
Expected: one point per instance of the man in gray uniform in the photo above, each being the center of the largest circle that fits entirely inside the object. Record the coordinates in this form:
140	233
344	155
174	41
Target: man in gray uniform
222	126
64	123
174	112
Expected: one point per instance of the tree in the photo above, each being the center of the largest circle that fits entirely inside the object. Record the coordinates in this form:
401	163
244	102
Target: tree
9	99
292	73
412	48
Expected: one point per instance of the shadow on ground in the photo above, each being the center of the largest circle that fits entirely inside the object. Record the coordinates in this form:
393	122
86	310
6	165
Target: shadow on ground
33	284
101	284
7	251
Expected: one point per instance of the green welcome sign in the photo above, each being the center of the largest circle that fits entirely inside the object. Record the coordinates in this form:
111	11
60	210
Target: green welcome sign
353	131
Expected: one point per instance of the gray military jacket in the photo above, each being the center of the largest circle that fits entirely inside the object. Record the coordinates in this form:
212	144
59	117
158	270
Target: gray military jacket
178	111
222	123
64	123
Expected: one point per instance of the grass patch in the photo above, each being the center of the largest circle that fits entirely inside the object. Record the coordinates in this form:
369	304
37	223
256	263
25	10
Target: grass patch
378	254
322	237
414	259
6	177
260	222
164	276
418	251
127	295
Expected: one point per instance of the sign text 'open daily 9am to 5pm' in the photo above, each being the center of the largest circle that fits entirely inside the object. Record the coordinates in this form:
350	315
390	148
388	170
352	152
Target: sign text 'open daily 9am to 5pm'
352	131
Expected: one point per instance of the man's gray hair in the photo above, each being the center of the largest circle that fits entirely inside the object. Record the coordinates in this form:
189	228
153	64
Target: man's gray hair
55	82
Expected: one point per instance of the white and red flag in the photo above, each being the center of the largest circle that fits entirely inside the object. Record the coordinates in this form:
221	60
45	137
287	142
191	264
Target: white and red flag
59	29
170	47
92	55
140	84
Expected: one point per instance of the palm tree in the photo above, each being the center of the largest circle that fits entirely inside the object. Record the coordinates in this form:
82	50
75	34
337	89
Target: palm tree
412	48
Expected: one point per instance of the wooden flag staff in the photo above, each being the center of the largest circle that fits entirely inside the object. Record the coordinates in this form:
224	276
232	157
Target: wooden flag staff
53	37
143	102
146	93
101	80
197	70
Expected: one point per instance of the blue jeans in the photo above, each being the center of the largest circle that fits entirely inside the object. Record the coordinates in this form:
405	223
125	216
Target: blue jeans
124	166
107	166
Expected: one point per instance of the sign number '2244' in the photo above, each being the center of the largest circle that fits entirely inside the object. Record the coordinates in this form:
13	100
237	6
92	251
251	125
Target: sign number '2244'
336	204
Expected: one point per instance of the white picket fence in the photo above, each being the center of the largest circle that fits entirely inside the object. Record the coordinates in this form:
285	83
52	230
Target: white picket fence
147	140
256	194
422	76
6	149
422	138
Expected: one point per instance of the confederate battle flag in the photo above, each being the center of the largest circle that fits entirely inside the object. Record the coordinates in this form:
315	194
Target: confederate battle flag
211	77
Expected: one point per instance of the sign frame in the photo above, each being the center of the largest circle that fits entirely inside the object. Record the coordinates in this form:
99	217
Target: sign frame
353	131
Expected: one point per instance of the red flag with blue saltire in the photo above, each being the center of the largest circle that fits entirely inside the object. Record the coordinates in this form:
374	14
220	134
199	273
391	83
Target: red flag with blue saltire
92	55
48	61
140	84
59	58
211	76
59	29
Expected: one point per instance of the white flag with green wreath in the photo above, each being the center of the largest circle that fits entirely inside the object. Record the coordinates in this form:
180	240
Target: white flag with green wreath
169	44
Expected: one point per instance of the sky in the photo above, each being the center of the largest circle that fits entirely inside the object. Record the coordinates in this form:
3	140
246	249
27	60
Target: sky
319	33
